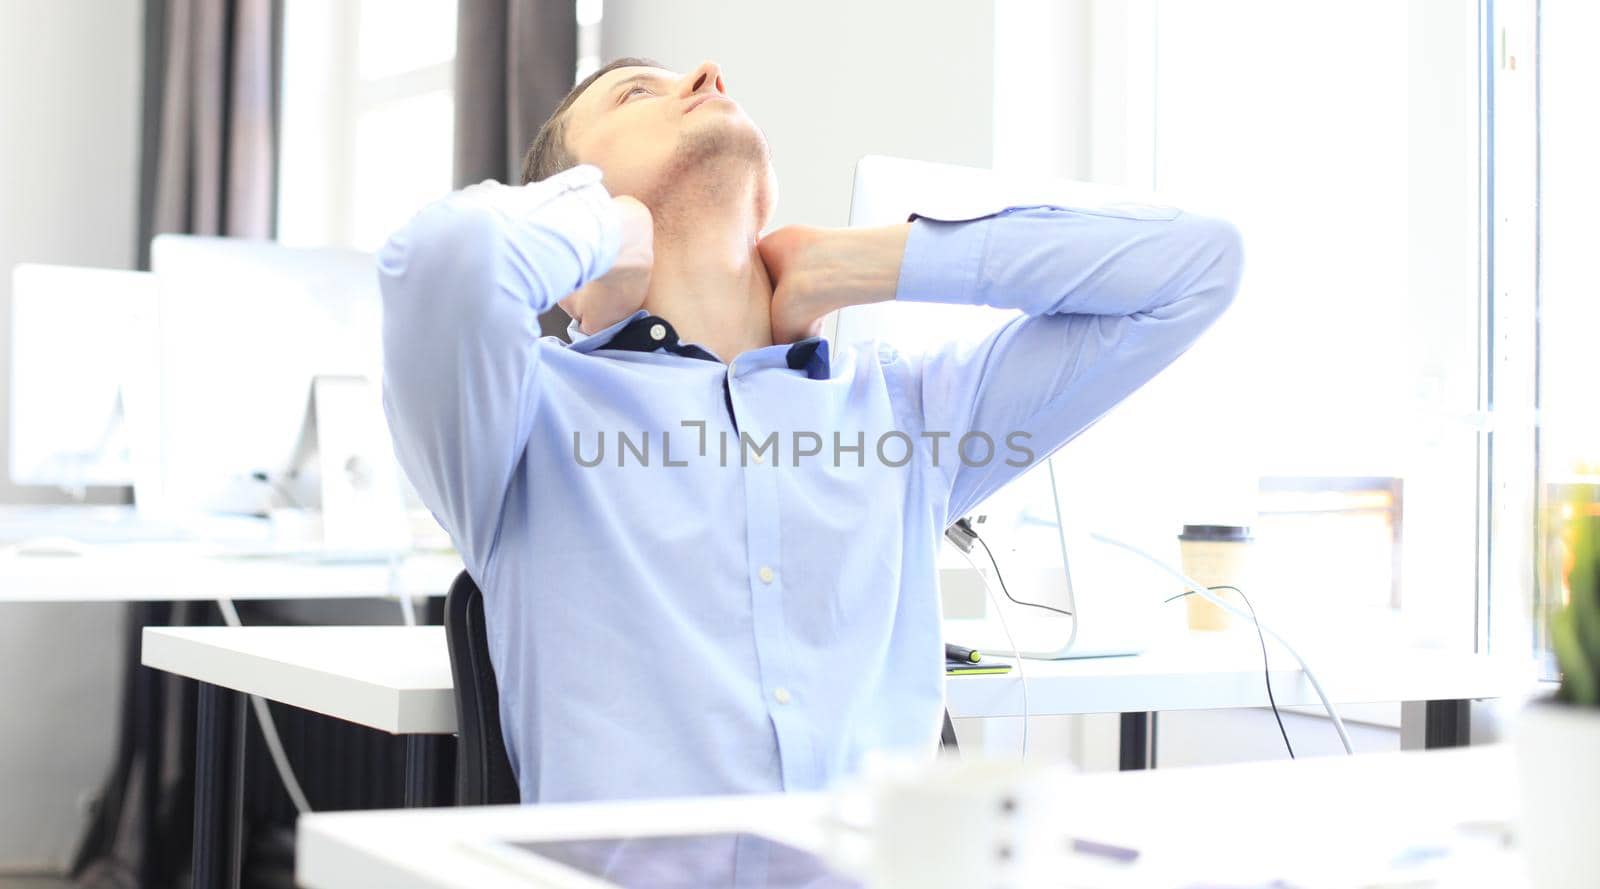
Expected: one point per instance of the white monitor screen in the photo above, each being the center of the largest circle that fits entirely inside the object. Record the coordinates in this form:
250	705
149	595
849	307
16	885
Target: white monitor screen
245	326
81	338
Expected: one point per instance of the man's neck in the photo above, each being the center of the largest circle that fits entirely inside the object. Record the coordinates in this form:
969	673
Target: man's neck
708	278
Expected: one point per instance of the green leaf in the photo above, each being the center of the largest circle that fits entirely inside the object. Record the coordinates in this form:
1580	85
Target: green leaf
1579	681
1584	586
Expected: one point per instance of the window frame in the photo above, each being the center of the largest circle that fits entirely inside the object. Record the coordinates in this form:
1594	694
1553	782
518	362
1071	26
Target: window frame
1123	149
328	98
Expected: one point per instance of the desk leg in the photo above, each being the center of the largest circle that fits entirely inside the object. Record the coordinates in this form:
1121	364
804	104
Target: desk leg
947	737
1138	742
1447	724
218	788
429	768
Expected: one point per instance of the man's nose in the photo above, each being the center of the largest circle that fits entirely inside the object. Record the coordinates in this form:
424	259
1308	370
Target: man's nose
708	75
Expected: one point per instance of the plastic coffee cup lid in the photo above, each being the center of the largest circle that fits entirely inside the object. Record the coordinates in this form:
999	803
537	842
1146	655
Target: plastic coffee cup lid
1221	533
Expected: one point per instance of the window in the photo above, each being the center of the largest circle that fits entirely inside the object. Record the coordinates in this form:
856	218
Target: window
1567	299
589	14
1340	406
368	117
1400	398
1301	520
1342	139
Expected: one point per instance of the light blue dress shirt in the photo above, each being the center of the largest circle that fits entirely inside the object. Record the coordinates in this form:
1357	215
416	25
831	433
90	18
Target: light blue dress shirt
670	621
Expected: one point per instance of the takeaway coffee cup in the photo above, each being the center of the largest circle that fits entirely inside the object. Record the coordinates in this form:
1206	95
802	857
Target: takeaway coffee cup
1215	555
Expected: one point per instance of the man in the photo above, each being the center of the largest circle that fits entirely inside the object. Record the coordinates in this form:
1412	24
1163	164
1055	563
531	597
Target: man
747	600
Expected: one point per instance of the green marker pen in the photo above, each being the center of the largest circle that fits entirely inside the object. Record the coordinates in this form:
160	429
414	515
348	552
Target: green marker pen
957	653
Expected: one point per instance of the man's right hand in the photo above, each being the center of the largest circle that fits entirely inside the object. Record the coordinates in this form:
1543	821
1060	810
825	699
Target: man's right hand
621	290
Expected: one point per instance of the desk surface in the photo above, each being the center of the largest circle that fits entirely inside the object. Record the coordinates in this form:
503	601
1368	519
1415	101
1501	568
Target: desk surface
397	679
1312	815
113	554
156	571
1208	671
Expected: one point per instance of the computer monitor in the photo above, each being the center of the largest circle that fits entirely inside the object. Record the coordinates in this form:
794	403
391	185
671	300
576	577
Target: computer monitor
1024	523
245	329
81	340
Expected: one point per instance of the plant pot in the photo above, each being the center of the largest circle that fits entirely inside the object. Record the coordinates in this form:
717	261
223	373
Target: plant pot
1558	764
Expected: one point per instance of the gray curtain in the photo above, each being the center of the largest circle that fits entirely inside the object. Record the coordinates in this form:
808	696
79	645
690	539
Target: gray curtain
515	61
208	166
209	163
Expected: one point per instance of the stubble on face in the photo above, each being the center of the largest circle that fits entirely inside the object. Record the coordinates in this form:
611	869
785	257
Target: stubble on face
713	164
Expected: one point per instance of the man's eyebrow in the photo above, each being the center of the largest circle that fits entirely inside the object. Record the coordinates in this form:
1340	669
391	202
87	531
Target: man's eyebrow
635	79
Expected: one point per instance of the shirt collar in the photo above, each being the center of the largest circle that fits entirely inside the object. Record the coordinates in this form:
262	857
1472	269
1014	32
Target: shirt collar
588	342
811	356
644	332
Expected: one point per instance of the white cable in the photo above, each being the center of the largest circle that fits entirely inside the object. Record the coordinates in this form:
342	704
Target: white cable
1205	592
1016	654
408	607
269	728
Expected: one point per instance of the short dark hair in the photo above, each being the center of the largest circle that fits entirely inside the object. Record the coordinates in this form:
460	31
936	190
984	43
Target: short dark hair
548	155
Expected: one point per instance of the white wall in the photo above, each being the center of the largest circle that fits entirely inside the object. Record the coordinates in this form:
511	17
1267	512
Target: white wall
1043	73
831	80
69	151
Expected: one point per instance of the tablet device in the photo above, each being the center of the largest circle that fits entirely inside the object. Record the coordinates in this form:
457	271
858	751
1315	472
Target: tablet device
687	861
967	668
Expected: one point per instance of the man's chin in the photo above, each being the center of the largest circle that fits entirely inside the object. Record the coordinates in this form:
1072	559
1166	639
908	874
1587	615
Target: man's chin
722	137
713	155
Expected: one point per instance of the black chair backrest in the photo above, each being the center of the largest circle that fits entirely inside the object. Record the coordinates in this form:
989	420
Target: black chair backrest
483	769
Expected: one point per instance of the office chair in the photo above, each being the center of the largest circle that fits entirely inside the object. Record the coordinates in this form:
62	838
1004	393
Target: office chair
483	768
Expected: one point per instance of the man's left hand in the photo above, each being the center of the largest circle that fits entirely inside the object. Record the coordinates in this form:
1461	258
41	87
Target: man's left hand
816	270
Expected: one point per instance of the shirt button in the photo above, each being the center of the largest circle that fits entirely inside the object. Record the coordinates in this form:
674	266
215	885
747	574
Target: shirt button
766	574
781	695
658	332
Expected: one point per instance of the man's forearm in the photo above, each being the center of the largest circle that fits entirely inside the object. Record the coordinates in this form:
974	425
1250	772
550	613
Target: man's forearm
462	284
1046	260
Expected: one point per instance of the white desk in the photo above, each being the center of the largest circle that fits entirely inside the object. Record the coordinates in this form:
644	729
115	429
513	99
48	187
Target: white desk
125	558
1209	671
1187	823
156	571
397	679
1212	671
394	679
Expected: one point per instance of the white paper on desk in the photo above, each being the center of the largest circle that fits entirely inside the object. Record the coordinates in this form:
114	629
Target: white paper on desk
1341	859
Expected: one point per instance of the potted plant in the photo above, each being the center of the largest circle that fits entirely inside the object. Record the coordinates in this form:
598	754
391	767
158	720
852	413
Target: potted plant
1558	738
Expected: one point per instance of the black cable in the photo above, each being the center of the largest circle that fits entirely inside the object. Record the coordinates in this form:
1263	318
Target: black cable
1002	581
1266	665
